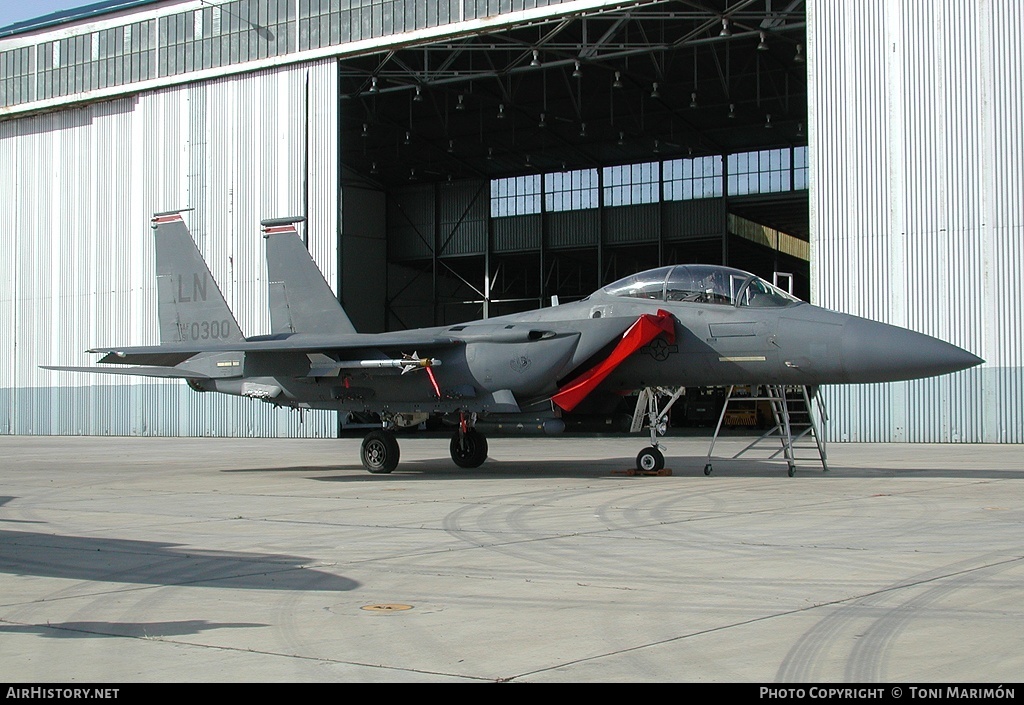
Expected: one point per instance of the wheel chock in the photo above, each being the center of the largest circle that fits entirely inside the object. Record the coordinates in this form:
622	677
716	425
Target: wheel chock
631	472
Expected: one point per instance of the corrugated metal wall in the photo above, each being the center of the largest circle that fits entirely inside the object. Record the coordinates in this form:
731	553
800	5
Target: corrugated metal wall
462	218
518	233
450	218
573	229
917	155
629	224
684	220
410	224
80	187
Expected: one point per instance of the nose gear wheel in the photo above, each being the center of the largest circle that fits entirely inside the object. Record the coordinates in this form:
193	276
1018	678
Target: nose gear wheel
650	460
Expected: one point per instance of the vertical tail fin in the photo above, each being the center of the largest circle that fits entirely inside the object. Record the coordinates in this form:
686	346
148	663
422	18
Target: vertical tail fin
190	305
300	299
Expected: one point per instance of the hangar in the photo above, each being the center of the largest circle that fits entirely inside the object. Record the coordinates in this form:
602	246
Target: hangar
473	157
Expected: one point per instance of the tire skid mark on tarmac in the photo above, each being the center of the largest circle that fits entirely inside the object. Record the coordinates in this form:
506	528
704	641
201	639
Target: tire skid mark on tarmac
518	536
678	514
512	529
807	659
800	664
665	513
872	652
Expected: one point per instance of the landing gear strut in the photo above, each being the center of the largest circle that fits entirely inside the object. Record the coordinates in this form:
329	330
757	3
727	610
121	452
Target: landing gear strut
653	459
468	446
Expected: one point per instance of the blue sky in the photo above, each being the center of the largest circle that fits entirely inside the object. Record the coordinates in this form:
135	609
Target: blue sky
12	11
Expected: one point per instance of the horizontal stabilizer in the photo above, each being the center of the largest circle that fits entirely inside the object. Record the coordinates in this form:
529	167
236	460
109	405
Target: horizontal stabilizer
143	370
158	359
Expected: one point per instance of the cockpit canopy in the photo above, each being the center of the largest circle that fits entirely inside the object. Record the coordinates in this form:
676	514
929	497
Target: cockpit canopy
701	283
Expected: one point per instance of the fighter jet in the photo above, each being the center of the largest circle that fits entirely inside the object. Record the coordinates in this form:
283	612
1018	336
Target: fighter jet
676	326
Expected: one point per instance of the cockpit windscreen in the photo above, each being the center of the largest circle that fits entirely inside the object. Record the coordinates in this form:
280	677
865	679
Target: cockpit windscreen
701	283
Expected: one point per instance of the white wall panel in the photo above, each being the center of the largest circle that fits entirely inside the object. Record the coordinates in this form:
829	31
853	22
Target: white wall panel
917	151
80	270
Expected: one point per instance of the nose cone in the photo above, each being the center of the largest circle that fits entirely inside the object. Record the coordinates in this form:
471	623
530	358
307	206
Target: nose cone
877	352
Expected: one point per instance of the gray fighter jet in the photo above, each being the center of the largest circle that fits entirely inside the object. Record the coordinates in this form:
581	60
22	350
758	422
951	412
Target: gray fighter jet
672	327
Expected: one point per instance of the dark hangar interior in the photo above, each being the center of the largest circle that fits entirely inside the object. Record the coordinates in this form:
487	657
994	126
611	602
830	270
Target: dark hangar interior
554	157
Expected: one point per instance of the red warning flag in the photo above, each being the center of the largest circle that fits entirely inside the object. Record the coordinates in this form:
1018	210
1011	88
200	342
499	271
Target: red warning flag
647	328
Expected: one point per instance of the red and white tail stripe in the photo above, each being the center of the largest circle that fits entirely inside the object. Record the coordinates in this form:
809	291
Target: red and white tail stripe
167	218
276	229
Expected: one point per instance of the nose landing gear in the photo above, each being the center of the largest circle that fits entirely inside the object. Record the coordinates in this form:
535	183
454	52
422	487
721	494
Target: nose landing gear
652	459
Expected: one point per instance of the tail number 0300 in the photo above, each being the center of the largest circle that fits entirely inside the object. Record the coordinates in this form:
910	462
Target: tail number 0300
205	330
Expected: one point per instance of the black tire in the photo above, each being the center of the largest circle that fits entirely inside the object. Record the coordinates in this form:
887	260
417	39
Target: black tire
707	469
650	460
379	452
469	449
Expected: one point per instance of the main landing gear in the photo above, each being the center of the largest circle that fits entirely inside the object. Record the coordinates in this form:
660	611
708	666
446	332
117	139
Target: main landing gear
380	453
468	446
469	449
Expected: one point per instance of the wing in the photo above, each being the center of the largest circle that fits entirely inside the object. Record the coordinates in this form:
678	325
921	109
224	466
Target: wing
297	343
137	370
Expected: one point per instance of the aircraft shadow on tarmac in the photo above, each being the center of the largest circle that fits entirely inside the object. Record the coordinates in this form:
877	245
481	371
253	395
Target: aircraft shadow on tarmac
157	563
139	630
441	468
